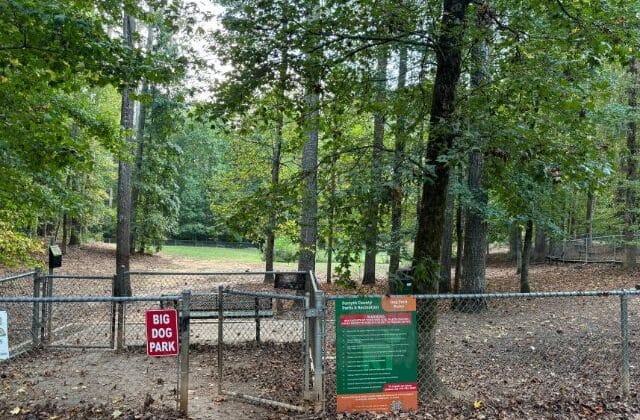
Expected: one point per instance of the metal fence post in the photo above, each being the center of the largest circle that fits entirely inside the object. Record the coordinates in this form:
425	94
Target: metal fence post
258	320
121	308
220	337
624	327
307	343
43	310
35	317
318	362
184	351
112	338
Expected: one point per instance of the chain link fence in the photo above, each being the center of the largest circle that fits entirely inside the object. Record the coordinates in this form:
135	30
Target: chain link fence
60	366
515	351
600	249
261	348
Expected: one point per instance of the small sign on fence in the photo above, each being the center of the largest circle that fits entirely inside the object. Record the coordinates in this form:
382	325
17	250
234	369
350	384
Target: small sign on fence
376	354
4	336
162	332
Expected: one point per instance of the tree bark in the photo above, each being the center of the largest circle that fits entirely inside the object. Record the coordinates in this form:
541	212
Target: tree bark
123	231
428	241
447	243
475	226
398	163
526	255
540	247
309	216
518	241
514	243
591	201
631	248
459	246
137	173
373	209
331	216
269	252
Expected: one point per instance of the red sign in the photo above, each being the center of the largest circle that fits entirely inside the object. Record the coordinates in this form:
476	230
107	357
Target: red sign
162	332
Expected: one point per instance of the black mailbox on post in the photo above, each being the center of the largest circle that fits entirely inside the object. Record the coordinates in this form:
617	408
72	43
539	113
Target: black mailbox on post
55	257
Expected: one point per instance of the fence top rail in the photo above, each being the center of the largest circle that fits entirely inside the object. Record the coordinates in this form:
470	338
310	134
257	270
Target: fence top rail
70	299
78	277
17	276
262	294
209	273
314	282
589	293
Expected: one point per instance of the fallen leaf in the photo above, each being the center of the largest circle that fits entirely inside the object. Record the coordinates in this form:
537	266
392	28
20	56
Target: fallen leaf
477	404
116	414
15	411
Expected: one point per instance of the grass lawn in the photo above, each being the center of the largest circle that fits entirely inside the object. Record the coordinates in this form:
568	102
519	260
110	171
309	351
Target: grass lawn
247	255
243	255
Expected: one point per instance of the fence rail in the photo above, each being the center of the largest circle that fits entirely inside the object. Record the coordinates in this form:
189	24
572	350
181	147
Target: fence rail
278	347
594	249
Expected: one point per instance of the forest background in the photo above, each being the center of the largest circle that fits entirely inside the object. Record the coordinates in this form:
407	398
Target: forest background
405	132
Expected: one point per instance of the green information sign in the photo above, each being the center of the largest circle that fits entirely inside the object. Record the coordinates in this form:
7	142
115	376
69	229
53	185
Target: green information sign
376	354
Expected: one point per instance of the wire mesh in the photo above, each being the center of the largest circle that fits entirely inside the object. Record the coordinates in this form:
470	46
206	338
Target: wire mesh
264	357
20	315
145	283
71	369
511	353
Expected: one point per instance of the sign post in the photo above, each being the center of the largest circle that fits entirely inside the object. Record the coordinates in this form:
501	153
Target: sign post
376	354
4	336
162	332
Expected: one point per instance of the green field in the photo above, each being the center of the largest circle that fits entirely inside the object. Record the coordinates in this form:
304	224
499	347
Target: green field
247	255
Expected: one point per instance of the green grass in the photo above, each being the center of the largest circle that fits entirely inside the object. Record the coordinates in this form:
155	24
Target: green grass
246	255
241	255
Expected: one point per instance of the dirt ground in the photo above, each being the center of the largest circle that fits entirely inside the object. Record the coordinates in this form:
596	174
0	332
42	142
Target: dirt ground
545	358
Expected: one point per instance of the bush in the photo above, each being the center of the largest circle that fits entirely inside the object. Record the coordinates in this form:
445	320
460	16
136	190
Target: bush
285	250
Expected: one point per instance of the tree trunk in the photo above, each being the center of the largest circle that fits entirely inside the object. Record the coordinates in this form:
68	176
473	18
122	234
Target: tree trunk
475	226
526	255
123	231
475	238
65	232
331	216
540	247
373	209
459	246
269	251
74	222
514	243
309	216
591	200
397	192
518	241
631	249
447	243
428	241
137	174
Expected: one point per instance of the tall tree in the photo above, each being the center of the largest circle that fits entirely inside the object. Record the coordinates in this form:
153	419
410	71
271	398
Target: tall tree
123	232
398	163
373	208
475	236
631	165
428	240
